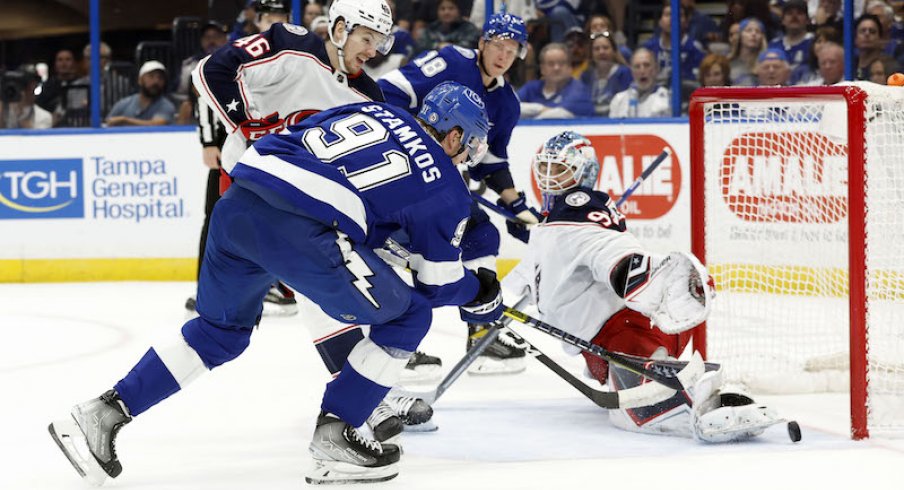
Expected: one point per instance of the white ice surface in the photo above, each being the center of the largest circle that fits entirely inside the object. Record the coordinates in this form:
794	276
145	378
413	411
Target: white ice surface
247	424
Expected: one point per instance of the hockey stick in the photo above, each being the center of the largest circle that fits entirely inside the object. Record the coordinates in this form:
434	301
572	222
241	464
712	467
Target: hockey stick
642	395
505	213
460	367
663	372
643	176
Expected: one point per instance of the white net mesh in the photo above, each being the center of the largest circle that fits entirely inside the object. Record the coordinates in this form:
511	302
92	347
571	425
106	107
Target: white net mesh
777	244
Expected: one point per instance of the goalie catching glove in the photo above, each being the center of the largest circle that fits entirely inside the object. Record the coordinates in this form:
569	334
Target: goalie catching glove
674	291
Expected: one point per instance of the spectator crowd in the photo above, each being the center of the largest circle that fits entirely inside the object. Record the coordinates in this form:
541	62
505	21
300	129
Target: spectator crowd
579	63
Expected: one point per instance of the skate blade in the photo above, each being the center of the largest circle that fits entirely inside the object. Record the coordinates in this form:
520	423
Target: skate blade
68	436
428	426
485	366
340	473
421	375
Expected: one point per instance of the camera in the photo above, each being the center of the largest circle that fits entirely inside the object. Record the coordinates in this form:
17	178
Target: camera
13	84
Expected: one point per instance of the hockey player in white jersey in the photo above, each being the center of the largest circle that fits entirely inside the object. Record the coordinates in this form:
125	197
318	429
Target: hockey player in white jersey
262	83
591	277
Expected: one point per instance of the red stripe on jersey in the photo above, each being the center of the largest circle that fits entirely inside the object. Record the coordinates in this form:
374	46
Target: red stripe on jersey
334	334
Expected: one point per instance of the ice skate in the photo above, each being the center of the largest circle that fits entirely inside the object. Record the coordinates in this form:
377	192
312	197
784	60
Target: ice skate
504	356
421	368
341	455
280	301
385	424
88	438
415	413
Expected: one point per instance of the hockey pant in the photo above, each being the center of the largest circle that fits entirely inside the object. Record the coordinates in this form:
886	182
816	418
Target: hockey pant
250	245
334	341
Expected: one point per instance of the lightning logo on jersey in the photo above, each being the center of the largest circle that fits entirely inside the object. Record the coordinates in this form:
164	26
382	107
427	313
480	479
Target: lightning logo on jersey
356	265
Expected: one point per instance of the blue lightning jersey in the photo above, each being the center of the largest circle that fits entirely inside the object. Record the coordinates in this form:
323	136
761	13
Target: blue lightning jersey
369	170
407	86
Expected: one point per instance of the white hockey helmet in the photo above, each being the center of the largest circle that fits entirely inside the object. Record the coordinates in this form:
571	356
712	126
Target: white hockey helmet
567	160
373	14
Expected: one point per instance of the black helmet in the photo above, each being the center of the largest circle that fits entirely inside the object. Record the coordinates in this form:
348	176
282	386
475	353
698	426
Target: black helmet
272	7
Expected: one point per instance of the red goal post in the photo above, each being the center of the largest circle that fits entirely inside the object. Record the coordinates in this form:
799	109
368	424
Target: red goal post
804	247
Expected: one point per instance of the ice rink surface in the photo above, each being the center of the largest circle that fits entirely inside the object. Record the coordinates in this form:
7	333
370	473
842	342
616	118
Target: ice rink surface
246	425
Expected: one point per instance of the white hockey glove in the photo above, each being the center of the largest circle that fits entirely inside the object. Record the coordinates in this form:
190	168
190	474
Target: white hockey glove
675	291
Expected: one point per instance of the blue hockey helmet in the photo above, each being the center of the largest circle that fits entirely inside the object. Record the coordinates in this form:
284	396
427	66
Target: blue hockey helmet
503	25
567	160
451	105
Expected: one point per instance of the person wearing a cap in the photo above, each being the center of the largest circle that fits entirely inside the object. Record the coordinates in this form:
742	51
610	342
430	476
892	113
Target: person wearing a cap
213	35
661	47
772	68
578	43
743	59
796	41
148	107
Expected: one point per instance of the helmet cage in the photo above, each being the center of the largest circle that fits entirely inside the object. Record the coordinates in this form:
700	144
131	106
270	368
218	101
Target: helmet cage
566	161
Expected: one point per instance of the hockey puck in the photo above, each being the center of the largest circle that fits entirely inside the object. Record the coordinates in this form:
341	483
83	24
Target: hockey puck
794	431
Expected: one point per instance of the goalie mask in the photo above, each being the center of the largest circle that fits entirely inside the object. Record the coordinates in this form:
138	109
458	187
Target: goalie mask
567	160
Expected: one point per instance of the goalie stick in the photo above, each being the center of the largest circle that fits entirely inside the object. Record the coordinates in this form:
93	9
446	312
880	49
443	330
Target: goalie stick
505	213
667	373
643	395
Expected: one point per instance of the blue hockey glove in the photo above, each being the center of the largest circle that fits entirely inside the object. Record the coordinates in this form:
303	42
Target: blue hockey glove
523	212
487	305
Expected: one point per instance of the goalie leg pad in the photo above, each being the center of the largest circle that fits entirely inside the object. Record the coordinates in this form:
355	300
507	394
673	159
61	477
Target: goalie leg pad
673	416
736	418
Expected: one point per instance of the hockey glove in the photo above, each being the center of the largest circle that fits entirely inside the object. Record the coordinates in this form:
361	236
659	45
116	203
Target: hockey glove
255	129
527	215
487	305
675	291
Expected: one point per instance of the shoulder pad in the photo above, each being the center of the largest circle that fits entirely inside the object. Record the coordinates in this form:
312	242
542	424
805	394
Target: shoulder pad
295	29
467	53
587	206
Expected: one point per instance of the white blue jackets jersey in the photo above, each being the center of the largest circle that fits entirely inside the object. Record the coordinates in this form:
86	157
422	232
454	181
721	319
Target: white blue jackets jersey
369	170
569	259
284	71
407	86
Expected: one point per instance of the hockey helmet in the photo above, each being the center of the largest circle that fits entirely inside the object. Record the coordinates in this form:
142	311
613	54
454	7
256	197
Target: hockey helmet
503	25
373	14
451	105
567	160
272	7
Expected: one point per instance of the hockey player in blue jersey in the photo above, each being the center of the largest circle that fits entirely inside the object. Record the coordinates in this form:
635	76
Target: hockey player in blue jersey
504	38
309	206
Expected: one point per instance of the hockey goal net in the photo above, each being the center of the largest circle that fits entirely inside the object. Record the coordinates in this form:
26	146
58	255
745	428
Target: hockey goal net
798	212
